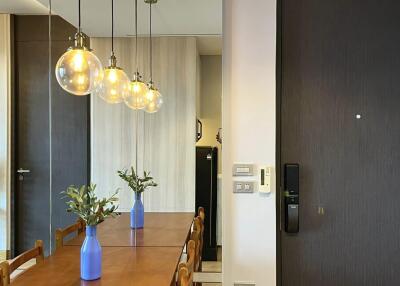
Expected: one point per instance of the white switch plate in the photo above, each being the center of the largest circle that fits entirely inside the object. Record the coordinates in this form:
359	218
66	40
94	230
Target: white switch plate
240	169
243	186
265	179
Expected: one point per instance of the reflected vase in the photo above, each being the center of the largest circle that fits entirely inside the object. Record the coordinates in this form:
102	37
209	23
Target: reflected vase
137	212
90	255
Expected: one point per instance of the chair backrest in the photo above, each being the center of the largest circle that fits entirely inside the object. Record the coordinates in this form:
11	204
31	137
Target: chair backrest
191	256
8	267
202	215
1	274
196	237
184	277
79	227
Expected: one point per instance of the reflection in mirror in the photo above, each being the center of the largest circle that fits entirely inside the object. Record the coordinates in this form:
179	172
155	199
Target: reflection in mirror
154	137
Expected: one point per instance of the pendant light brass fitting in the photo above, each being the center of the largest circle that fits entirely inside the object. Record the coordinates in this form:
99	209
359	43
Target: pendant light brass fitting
113	62
150	1
137	77
80	41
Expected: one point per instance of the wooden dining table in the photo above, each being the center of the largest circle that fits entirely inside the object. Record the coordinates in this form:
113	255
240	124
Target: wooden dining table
149	257
161	229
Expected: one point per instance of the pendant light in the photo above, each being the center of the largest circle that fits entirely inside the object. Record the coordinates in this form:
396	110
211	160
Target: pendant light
115	84
153	96
136	99
79	71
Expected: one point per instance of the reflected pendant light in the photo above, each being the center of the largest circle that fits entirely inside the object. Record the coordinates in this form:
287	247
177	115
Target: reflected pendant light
136	98
153	97
78	70
115	84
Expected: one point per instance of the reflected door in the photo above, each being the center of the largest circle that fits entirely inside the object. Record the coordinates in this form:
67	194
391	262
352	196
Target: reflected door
35	207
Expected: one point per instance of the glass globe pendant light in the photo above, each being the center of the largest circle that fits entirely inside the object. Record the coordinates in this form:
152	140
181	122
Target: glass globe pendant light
115	84
136	98
153	96
78	70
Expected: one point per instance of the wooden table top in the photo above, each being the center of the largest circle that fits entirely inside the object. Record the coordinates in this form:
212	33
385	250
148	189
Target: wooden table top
160	229
122	266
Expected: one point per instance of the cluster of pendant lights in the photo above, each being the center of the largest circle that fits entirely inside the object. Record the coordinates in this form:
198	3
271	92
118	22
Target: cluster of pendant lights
80	72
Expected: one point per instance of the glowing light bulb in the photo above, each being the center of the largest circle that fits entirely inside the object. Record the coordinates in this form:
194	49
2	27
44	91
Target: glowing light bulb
115	85
154	100
78	70
136	99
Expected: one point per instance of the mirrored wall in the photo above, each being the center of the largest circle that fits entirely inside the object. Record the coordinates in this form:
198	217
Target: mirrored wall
63	139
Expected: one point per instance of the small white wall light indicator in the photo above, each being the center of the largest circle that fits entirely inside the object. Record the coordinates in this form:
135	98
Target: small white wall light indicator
358	116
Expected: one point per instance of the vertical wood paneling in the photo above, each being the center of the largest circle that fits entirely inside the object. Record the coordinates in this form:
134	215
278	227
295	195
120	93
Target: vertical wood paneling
340	59
166	142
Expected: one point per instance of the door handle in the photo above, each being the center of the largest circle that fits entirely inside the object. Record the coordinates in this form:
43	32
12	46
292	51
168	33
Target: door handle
292	198
23	171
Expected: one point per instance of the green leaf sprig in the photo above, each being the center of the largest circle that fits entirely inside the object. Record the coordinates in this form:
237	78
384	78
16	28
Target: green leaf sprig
136	183
84	202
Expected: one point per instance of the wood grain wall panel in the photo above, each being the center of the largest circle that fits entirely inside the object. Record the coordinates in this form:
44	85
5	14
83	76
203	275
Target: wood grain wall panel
341	60
34	210
166	141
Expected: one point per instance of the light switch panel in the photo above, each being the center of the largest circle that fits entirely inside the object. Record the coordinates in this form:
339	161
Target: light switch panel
243	170
243	186
265	178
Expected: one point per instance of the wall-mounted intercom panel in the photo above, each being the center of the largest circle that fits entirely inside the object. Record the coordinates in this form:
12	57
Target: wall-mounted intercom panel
265	179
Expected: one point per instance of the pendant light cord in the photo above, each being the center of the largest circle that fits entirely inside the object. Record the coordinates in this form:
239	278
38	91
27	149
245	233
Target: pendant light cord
136	37
151	50
79	15
112	26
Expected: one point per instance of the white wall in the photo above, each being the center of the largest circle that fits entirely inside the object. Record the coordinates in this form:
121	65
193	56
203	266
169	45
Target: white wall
248	120
5	97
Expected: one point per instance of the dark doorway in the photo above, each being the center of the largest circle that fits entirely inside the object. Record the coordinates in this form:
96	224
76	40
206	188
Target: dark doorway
340	121
38	211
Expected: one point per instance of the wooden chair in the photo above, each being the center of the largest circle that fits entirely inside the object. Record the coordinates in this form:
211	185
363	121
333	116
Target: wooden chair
186	269
8	267
184	277
202	215
79	227
196	237
1	274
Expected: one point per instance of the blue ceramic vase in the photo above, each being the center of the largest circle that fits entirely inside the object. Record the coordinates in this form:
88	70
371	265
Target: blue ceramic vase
90	255
137	212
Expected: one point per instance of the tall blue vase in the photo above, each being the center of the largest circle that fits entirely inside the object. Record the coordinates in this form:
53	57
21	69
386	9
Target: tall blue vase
137	212
90	255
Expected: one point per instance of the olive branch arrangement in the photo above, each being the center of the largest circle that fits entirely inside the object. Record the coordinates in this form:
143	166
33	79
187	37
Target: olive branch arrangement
84	202
136	183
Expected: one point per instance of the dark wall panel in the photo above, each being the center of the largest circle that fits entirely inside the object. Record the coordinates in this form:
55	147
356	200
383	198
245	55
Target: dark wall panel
35	209
340	59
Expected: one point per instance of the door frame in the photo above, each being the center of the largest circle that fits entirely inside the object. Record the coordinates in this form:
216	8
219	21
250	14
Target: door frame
278	163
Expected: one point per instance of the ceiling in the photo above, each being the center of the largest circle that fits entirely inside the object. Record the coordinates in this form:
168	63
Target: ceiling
22	7
170	17
200	18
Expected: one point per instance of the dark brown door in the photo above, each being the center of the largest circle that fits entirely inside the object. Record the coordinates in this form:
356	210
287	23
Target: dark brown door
340	121
38	207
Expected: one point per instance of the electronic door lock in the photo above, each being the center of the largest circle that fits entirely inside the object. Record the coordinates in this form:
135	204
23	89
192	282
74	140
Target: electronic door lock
291	198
